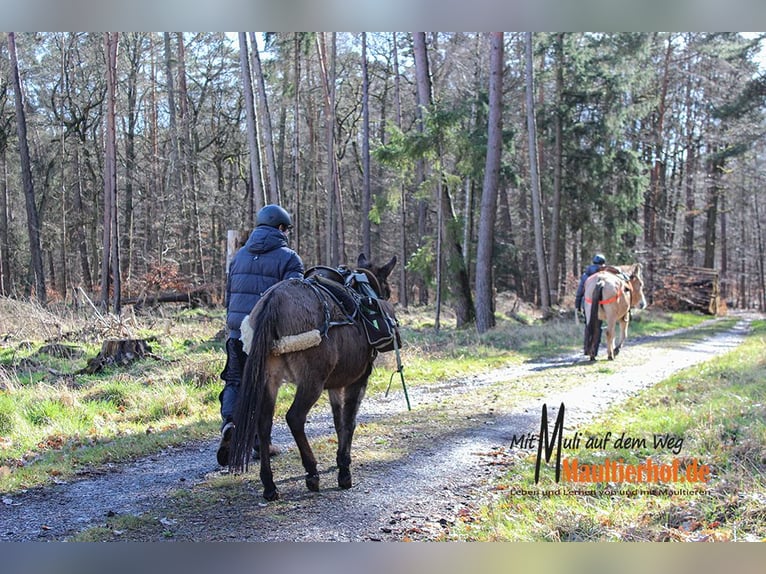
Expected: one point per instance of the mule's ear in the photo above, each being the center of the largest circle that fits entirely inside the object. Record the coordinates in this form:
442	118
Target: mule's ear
362	261
386	269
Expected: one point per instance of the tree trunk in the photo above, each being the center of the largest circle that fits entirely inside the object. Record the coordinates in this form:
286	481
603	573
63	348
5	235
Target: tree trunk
6	277
111	264
469	183
188	162
557	257
724	269
134	56
423	94
334	229
761	259
366	192
296	181
656	194
449	253
6	283
258	190
689	216
33	220
542	266
82	240
174	168
485	302
715	169
117	352
403	294
155	184
265	115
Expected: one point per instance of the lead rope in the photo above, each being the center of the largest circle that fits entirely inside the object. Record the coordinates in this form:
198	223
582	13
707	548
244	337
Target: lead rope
400	370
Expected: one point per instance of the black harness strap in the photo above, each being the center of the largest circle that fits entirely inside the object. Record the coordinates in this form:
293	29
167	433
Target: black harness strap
323	293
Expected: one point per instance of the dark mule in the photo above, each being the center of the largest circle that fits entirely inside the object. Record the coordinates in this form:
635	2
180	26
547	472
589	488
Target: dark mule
609	296
339	358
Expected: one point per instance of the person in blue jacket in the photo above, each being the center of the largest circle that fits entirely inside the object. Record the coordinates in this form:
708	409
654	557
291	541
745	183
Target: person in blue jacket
598	263
262	262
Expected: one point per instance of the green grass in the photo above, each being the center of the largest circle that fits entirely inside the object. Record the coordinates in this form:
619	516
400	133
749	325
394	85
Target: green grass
53	422
653	322
717	408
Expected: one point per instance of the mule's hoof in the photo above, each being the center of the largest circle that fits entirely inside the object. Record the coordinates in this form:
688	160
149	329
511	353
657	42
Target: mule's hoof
611	357
344	479
271	495
593	358
312	482
616	351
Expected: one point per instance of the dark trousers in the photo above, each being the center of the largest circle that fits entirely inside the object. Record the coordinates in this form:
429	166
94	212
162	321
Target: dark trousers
232	377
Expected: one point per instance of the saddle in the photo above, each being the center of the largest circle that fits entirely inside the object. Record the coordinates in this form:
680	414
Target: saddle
616	271
355	293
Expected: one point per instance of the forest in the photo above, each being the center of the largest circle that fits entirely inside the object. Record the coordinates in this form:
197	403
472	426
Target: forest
486	162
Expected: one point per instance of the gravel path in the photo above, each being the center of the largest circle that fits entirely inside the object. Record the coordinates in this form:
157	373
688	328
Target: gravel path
443	472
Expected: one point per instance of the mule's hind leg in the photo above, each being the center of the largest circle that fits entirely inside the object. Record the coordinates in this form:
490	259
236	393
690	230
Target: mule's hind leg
610	329
345	405
306	395
623	334
265	421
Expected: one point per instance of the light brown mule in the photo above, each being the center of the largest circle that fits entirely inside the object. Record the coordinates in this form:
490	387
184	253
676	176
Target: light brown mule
609	296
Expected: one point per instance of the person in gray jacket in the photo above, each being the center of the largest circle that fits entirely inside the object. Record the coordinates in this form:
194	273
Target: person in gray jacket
262	262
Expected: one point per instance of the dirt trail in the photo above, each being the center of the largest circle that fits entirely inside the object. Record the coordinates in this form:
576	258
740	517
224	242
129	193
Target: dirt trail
445	470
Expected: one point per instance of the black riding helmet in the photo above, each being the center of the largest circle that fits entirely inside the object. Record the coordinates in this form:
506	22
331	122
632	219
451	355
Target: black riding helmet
273	216
599	259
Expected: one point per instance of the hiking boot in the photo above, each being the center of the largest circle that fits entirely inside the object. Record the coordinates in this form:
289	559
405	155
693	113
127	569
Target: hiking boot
227	433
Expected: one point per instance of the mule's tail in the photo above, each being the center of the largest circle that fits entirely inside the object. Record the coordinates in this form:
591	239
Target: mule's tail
593	328
264	322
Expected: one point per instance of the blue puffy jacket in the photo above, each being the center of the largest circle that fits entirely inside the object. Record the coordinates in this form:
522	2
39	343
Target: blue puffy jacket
589	270
262	262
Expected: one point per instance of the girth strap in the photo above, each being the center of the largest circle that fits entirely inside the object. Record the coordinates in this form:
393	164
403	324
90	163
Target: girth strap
323	292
